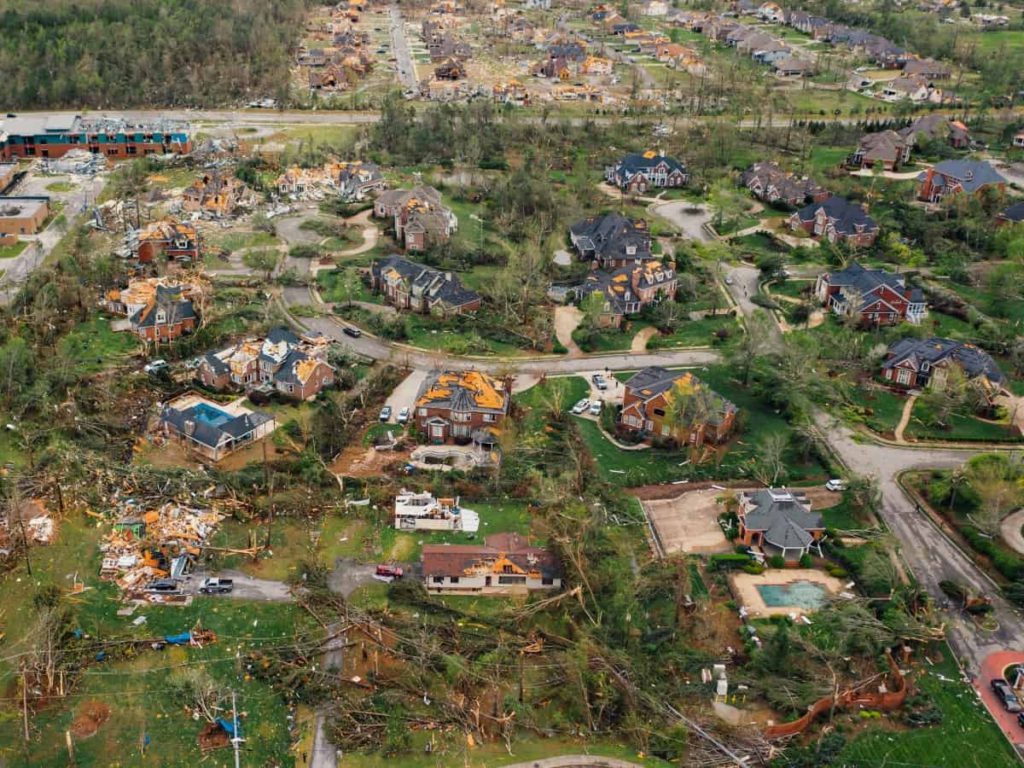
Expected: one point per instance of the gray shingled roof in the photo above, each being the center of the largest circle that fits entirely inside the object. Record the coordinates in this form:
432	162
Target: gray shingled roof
784	516
972	174
185	421
171	299
437	286
973	360
844	215
610	236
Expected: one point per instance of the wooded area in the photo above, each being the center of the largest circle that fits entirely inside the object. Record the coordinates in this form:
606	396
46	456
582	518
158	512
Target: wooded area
103	53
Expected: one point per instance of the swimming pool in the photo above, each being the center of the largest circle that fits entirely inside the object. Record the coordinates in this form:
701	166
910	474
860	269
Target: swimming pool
795	594
210	415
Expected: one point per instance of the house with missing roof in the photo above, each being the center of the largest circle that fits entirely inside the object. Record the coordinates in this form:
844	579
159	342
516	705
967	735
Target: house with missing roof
627	290
612	241
462	407
175	240
420	219
837	220
408	285
640	171
874	296
425	512
293	366
505	564
157	310
951	177
211	430
771	184
659	405
926	363
780	522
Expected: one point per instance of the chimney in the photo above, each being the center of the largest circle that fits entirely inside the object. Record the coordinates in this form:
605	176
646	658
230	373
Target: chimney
448	276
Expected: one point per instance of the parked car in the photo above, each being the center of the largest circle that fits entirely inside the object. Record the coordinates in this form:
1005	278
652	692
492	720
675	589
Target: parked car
164	586
1020	719
595	408
213	586
403	416
155	366
1006	695
349	330
581	406
599	381
836	485
388	573
728	280
385	413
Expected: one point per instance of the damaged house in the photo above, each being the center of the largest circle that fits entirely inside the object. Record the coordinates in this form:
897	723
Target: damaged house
157	310
169	238
780	522
770	184
612	241
216	194
504	565
420	219
659	405
462	406
419	288
627	290
211	430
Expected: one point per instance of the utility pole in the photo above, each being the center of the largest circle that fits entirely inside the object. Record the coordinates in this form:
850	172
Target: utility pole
235	739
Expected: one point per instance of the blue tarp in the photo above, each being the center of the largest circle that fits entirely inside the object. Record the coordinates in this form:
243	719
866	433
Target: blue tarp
228	728
182	639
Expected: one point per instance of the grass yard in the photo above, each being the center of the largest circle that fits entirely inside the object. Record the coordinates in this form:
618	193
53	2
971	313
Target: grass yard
841	517
235	241
965	428
495	517
794	289
978	742
12	250
825	158
60	186
609	339
729	226
886	409
332	286
696	333
92	346
561	393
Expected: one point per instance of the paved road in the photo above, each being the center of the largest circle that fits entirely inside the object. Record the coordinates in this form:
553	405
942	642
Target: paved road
931	556
245	587
399	44
743	287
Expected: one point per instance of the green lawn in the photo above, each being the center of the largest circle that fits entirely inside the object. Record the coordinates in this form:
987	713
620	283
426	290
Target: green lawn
330	286
794	289
235	241
841	517
609	339
12	250
92	346
886	409
695	333
735	225
825	158
960	428
60	186
966	738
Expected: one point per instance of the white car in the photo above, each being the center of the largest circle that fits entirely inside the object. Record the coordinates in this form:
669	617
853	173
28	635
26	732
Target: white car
403	416
581	406
595	408
155	366
835	484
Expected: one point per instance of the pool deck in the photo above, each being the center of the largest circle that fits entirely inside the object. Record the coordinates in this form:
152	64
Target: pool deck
744	586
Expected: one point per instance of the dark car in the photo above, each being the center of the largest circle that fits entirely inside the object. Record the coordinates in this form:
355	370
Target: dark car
162	585
1020	719
355	333
1006	695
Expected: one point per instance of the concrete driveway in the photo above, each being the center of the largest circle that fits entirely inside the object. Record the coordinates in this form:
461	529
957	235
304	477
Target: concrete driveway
404	395
246	587
689	217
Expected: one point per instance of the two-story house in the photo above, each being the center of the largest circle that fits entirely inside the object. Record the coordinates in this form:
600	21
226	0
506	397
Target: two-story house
461	406
612	241
836	220
659	405
874	296
627	290
920	363
769	183
638	172
951	177
408	285
176	240
157	309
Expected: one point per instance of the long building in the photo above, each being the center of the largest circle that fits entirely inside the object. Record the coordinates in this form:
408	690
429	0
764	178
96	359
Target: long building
115	138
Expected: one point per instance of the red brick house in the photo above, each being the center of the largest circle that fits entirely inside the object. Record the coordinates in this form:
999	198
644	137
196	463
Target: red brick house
654	394
951	177
171	238
837	220
875	296
157	311
462	406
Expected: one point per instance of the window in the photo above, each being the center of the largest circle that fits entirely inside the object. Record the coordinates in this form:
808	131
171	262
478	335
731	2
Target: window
511	580
547	581
659	411
453	580
423	411
438	579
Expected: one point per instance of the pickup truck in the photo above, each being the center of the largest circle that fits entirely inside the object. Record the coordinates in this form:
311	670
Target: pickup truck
216	586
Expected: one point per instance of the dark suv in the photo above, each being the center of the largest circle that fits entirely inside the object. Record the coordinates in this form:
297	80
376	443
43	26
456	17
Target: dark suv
1006	695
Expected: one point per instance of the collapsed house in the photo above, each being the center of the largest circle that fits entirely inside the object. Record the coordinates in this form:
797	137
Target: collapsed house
170	238
158	309
424	512
155	547
217	194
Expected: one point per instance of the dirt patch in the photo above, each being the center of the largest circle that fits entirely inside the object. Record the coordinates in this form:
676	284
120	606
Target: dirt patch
356	461
689	522
213	737
91	715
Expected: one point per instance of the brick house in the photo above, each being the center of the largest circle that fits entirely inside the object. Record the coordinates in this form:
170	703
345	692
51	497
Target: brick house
638	172
504	565
211	430
627	290
408	285
889	149
294	367
171	238
780	522
921	363
769	183
951	177
837	220
650	399
157	311
875	296
461	406
612	241
420	219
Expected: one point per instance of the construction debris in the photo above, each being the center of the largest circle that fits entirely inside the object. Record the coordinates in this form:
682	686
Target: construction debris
147	553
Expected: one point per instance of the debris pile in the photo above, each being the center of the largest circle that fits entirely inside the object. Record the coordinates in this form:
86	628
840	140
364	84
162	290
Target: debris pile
146	553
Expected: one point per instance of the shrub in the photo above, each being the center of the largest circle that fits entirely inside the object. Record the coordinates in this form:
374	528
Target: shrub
754	569
838	572
806	561
777	561
727	562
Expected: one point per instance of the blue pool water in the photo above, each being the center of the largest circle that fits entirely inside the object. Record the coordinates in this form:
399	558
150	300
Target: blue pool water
796	594
210	415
